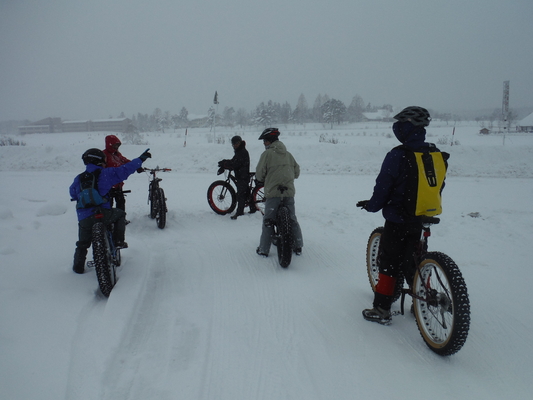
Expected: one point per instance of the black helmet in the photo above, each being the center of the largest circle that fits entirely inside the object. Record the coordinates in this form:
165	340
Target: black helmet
418	116
94	156
270	134
236	139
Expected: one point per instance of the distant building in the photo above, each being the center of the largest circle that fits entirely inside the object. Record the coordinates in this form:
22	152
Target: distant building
379	115
51	125
525	125
47	125
484	131
105	125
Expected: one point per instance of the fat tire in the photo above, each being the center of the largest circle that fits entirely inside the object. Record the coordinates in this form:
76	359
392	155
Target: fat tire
285	239
221	197
102	258
259	199
153	201
373	255
444	323
161	217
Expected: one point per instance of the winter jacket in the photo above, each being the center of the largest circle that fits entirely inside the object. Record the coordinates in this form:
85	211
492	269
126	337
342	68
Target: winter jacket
114	157
240	163
277	167
107	179
390	187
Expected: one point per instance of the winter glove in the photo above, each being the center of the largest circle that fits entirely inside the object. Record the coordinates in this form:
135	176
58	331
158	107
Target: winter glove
144	156
221	164
362	204
140	170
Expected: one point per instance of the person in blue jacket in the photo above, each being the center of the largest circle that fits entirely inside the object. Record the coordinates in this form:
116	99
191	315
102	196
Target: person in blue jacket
401	230
95	161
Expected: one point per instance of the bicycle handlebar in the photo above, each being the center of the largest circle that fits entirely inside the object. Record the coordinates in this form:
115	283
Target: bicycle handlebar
157	169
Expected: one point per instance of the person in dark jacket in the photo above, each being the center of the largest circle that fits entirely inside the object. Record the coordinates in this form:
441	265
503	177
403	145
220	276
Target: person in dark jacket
401	231
240	164
95	161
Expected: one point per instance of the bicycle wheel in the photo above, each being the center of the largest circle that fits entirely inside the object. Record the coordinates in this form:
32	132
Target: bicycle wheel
103	261
441	304
161	216
284	242
153	201
372	263
258	197
221	197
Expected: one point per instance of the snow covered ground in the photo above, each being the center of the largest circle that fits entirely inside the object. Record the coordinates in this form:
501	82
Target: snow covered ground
196	314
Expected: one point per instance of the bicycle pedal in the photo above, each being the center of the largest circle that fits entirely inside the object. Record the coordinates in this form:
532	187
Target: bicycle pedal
90	264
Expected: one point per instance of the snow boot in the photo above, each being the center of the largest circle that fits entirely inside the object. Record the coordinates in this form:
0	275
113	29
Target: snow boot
79	260
378	314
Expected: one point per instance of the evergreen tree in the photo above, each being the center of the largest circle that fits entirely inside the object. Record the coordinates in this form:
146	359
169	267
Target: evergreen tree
228	115
354	113
184	116
301	112
285	113
333	111
241	117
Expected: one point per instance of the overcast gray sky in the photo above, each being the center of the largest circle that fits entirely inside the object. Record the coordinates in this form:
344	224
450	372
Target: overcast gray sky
90	59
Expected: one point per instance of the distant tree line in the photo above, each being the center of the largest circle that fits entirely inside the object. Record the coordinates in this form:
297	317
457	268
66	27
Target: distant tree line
325	110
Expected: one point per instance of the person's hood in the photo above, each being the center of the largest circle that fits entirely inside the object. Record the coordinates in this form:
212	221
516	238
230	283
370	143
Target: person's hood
409	134
241	146
278	147
110	140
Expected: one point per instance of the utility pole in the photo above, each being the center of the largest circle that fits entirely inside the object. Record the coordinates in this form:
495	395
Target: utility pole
505	105
215	101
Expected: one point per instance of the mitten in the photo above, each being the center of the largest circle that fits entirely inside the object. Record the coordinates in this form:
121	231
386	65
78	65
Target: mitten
362	204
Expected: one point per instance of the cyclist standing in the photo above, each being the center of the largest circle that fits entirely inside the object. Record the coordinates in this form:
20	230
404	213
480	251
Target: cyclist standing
278	169
401	231
240	163
106	178
115	159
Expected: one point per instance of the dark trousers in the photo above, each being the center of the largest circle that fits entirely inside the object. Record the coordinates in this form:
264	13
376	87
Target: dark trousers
118	196
397	246
243	193
115	216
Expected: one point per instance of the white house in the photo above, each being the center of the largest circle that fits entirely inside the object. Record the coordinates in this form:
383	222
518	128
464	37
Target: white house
525	125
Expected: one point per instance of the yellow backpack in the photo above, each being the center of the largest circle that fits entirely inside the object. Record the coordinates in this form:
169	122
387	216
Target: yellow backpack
425	181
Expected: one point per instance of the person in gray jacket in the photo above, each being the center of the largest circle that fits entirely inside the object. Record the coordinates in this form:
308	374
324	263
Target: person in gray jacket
278	169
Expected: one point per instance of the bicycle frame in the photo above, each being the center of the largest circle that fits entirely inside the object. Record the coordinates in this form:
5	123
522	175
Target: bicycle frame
420	250
231	178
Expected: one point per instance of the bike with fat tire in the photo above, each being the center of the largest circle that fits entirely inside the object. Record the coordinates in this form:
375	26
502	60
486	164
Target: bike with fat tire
282	237
441	305
222	195
156	197
106	257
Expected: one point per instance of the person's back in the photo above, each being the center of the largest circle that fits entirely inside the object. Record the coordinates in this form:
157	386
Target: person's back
95	161
278	169
401	230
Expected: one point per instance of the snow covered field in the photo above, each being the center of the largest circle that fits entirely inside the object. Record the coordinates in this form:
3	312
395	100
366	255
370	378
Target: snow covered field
196	314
